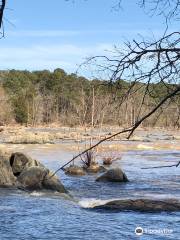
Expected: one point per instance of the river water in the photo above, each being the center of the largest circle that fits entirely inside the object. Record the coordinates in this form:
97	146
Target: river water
25	216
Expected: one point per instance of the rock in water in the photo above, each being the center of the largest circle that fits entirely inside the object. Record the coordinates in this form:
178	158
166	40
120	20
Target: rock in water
75	171
142	205
7	177
21	170
93	168
107	161
113	175
19	161
32	177
53	183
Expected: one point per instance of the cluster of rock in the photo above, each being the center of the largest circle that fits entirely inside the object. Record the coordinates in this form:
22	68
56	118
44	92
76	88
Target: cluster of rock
21	171
108	175
80	171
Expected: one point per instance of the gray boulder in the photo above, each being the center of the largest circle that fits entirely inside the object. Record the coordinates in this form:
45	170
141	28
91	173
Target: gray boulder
32	177
19	161
22	171
7	177
113	175
142	205
52	182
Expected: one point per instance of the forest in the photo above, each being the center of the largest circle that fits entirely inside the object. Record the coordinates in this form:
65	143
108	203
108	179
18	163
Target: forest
55	97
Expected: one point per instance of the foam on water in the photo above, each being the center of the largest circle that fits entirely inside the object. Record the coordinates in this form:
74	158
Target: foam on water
93	202
7	208
36	194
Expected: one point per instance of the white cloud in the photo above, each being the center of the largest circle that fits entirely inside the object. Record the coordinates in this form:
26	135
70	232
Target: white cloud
48	56
42	33
123	31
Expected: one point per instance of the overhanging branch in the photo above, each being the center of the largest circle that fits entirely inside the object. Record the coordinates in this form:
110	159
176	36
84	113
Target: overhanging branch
2	7
130	130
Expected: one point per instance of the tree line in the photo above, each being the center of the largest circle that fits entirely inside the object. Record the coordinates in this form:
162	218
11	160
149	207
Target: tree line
45	97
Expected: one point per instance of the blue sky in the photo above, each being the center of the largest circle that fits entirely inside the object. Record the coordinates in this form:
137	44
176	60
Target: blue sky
50	34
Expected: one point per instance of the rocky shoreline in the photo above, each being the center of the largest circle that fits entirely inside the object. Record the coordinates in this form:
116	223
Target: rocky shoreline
23	135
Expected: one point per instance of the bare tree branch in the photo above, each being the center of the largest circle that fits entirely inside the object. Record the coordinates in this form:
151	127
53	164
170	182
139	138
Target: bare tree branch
131	130
173	165
2	7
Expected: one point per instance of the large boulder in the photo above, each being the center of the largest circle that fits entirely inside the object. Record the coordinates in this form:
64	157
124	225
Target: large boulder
113	175
19	161
52	182
142	205
24	172
32	177
7	177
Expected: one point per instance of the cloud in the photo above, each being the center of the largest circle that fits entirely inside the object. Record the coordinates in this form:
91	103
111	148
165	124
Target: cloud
36	57
123	31
42	33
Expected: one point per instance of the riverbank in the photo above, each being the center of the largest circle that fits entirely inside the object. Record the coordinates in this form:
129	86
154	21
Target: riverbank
52	135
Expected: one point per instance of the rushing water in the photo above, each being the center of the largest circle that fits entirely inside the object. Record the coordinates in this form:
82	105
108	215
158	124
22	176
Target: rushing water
39	216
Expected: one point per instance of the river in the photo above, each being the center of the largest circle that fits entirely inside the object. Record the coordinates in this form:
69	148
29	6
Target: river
25	216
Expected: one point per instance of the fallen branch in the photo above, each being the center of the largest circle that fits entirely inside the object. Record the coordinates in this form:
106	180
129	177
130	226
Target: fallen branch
174	165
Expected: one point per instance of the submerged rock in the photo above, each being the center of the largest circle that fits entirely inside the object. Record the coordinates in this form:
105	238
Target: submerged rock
142	205
107	161
81	171
113	175
102	169
24	172
75	170
93	168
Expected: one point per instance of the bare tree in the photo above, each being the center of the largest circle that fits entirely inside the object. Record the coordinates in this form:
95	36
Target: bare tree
2	7
145	62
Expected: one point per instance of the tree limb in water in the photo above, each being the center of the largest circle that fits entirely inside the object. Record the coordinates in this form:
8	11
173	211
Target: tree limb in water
174	165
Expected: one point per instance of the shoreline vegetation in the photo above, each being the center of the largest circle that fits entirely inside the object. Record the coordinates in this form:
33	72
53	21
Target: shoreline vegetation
56	97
